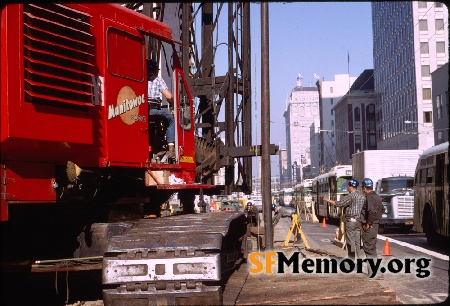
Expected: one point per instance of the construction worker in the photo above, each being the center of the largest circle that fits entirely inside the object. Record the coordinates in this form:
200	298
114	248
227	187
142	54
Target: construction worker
156	88
252	214
352	205
371	213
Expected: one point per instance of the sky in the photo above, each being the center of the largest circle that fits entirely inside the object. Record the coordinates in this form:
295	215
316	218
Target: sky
305	38
308	38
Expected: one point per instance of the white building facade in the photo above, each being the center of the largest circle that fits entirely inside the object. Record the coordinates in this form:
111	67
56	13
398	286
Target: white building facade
410	40
301	110
330	93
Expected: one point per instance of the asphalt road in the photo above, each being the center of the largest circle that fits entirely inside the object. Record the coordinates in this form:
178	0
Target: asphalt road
409	288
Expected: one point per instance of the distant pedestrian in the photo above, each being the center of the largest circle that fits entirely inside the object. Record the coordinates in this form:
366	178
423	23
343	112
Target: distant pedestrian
203	205
371	213
252	214
352	205
274	207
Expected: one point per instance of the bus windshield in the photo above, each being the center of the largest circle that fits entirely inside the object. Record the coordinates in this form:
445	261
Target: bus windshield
342	184
307	191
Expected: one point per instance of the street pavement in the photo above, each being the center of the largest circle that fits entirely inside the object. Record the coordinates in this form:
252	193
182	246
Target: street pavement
245	288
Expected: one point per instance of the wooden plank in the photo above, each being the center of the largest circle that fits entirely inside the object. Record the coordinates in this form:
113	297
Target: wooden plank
304	289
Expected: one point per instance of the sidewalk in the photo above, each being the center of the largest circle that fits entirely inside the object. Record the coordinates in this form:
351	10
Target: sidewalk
244	288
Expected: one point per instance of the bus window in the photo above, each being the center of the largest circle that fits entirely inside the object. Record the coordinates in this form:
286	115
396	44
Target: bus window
423	176
333	185
342	184
439	173
430	176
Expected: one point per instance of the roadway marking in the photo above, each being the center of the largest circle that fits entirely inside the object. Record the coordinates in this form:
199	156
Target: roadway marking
429	298
414	247
440	297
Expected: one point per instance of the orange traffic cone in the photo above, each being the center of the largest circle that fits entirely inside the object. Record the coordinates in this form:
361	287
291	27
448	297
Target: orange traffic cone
387	249
323	223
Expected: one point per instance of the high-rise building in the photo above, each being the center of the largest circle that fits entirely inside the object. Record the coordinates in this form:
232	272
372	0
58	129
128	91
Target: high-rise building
440	104
285	181
301	110
410	40
355	119
330	92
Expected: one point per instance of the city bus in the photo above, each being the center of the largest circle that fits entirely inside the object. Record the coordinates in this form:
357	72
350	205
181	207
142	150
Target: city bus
276	197
286	196
332	185
303	192
431	193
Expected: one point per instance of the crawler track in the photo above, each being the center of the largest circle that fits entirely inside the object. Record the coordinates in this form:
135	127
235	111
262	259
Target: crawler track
174	260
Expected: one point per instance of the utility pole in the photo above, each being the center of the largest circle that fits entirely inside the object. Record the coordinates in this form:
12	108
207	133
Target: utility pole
265	132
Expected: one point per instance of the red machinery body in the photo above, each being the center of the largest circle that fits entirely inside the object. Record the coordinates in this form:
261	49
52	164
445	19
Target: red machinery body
74	88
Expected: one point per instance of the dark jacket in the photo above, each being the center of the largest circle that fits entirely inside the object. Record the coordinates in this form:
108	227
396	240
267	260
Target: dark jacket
372	209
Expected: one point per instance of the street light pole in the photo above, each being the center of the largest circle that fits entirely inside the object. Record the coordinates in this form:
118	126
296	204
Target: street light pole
265	132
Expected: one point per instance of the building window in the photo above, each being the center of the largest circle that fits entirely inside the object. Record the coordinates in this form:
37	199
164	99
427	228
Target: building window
331	112
331	89
439	106
357	143
357	114
439	25
331	101
372	142
425	71
423	25
446	99
427	117
426	93
440	47
422	4
424	48
371	126
437	4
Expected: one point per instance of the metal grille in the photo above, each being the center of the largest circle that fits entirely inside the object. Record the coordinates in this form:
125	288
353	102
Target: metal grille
405	206
58	55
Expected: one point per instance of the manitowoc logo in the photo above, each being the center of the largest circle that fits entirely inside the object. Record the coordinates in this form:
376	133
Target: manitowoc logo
127	106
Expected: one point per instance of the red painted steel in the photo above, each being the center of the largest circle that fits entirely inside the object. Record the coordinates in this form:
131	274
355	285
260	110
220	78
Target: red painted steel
74	88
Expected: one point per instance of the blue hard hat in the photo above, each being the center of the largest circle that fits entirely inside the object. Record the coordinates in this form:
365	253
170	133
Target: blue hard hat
353	183
367	182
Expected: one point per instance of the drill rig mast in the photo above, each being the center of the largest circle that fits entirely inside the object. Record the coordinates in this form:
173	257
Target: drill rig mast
224	101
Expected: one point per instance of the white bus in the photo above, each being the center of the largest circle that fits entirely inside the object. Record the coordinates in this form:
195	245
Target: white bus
286	196
332	185
431	189
303	192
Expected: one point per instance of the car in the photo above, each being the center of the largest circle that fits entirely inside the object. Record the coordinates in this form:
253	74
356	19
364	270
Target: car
231	205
